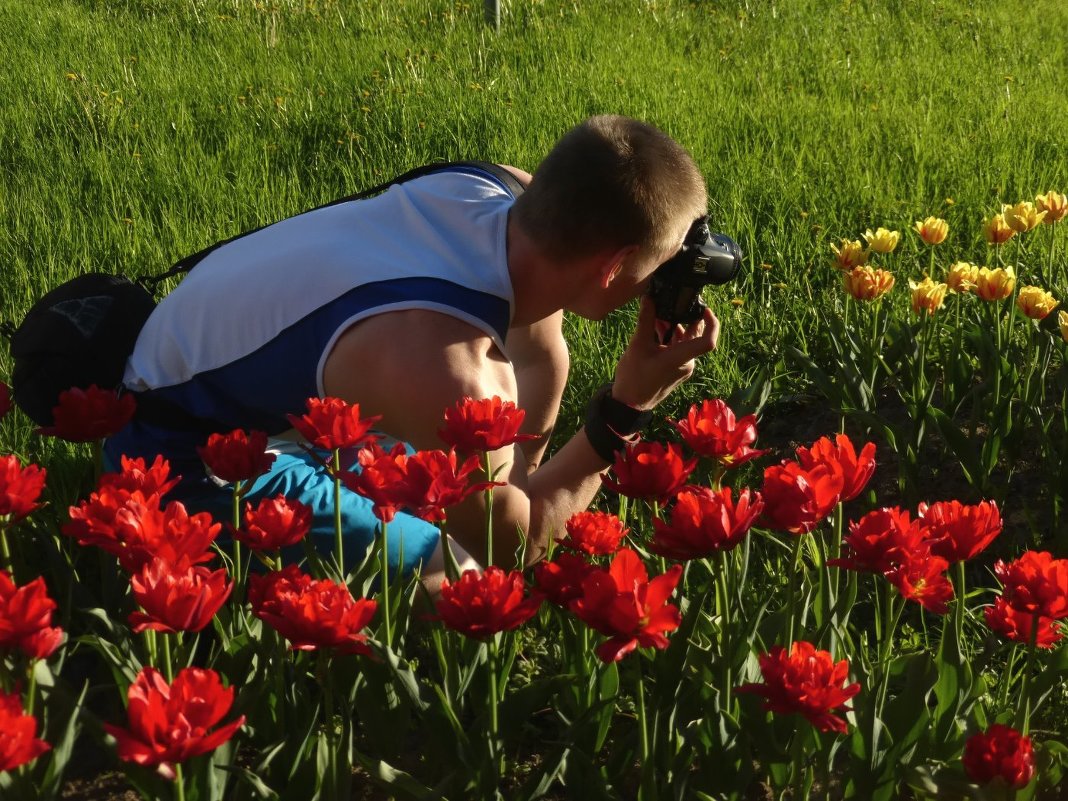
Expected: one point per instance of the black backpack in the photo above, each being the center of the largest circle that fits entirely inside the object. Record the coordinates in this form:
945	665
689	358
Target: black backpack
82	332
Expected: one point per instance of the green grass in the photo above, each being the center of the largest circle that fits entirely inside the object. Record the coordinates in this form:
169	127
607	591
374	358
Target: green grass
132	133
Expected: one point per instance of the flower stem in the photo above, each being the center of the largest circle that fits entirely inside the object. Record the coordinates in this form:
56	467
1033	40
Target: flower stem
236	514
791	599
31	690
5	550
179	783
1023	707
489	511
1052	243
339	542
387	616
798	771
725	628
958	609
496	757
168	664
646	789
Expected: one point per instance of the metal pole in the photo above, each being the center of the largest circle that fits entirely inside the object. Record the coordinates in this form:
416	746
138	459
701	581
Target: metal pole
493	14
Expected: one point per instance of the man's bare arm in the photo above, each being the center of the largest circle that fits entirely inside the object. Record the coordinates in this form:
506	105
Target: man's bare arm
410	366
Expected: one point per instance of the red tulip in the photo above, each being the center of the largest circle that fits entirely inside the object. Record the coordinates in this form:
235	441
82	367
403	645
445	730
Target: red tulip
921	577
705	521
134	528
5	399
476	426
807	682
93	520
18	734
560	580
147	532
311	613
625	604
177	597
1036	583
879	541
481	604
1016	626
135	476
856	470
712	431
433	482
331	424
958	532
26	618
797	500
20	487
1002	753
237	456
275	523
593	533
650	470
381	478
169	724
84	415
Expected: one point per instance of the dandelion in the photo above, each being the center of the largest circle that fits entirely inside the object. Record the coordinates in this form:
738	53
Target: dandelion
883	240
1036	302
932	230
927	295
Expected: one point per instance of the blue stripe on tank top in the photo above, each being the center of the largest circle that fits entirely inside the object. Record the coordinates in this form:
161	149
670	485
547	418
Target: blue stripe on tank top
259	389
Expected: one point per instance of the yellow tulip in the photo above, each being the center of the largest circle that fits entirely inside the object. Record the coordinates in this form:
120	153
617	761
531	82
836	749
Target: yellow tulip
882	241
995	284
851	254
868	283
1055	205
962	277
927	295
1035	302
996	231
1062	321
1023	216
933	230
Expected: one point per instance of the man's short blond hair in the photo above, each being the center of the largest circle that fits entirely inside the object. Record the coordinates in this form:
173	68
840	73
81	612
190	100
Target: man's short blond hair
610	182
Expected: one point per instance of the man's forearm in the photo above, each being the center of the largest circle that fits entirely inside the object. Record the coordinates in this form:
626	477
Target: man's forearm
564	485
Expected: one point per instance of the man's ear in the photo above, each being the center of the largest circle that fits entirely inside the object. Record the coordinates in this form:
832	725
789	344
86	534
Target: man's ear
612	264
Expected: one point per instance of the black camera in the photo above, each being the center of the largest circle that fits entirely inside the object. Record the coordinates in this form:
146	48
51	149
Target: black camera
705	258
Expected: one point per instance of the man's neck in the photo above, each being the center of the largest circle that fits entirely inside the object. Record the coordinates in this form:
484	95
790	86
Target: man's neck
541	286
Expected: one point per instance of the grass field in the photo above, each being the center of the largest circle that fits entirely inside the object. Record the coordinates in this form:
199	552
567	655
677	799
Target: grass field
133	133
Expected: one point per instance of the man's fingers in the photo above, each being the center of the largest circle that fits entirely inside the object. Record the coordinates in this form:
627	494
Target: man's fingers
695	346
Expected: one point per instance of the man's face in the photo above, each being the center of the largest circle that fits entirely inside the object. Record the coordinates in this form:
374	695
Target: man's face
636	274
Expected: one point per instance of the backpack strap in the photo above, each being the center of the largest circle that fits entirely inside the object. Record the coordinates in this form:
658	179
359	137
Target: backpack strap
497	171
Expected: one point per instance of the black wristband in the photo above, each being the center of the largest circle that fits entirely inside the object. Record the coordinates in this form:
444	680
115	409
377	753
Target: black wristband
610	423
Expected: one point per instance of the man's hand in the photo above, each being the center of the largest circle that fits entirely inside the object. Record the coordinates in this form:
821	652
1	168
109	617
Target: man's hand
648	371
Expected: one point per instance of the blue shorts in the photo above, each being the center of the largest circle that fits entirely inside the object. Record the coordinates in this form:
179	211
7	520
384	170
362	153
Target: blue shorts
299	477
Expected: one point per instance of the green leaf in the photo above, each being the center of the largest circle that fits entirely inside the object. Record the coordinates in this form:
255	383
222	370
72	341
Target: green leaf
399	783
63	745
253	780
